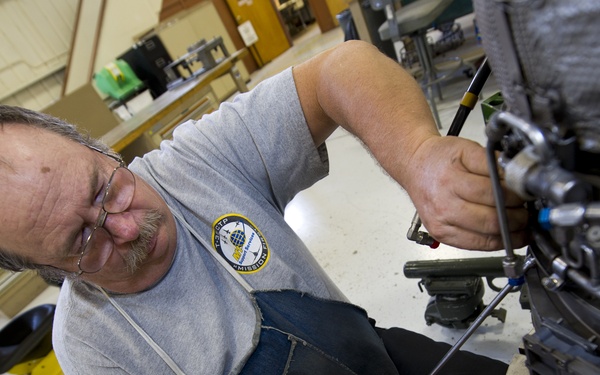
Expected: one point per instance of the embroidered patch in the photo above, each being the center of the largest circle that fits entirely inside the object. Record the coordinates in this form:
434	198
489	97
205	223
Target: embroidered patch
240	243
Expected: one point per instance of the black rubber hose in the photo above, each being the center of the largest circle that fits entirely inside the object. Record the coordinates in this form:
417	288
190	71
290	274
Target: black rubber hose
470	98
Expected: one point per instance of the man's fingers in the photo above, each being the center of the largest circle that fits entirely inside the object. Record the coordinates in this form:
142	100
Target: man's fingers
477	189
478	223
468	240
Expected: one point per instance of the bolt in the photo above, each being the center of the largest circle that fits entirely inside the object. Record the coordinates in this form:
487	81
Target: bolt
550	283
593	235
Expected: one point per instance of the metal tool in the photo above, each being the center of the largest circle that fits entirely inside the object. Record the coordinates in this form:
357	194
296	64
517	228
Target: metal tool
200	52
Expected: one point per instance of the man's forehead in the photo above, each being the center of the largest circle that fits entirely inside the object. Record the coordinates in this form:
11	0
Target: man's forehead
47	177
27	146
20	140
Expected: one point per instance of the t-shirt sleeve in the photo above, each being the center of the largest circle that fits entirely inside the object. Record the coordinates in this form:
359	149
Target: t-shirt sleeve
260	139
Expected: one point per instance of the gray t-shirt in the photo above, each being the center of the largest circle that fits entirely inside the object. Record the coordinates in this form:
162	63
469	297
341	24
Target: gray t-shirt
230	175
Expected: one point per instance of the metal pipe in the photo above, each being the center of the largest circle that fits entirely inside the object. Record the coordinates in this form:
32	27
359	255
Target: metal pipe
499	198
530	262
484	314
533	133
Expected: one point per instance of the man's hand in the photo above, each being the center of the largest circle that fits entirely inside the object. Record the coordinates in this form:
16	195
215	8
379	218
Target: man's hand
448	181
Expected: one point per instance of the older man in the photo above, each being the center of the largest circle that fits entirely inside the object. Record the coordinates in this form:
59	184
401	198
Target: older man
183	262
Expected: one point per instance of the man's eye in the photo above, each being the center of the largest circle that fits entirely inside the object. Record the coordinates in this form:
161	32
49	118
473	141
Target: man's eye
85	235
99	195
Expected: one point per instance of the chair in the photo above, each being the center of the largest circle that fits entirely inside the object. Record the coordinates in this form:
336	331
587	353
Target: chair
414	20
445	22
26	338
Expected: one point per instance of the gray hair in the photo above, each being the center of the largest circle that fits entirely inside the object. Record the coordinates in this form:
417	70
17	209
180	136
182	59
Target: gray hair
17	115
10	115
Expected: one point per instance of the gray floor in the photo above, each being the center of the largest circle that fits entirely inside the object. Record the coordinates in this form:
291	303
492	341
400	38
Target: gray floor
355	221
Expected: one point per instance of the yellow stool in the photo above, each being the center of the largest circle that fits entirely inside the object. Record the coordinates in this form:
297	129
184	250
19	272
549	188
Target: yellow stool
47	365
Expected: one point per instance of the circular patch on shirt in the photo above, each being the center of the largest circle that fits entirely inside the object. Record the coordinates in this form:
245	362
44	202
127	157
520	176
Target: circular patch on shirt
240	243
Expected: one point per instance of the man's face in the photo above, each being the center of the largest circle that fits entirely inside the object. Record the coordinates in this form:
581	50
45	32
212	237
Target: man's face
51	191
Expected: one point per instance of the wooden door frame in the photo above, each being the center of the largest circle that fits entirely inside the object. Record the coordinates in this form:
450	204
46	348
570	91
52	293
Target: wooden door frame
282	23
97	23
322	15
231	26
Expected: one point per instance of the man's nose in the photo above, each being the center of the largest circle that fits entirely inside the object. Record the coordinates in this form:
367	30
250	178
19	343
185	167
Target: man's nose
122	227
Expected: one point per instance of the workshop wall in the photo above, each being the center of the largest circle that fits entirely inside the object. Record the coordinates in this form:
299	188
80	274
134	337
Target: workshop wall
35	38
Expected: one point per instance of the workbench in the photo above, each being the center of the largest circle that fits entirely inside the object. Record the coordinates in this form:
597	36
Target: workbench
175	105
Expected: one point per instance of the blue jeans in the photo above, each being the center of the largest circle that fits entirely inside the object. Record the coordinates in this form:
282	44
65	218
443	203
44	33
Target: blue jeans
306	335
301	334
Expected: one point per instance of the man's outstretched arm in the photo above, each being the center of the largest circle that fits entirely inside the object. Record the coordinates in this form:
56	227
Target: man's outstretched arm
355	86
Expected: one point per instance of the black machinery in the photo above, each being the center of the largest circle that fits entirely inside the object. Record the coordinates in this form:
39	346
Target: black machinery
545	126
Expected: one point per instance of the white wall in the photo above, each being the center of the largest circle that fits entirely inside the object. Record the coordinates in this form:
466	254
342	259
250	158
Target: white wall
35	37
35	42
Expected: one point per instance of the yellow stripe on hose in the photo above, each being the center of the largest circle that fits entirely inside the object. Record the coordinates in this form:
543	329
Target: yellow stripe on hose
469	100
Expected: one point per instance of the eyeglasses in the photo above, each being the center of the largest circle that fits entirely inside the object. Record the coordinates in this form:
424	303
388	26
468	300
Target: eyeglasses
117	198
